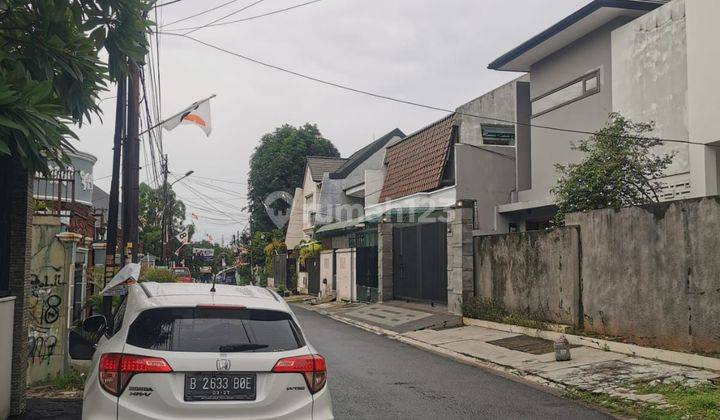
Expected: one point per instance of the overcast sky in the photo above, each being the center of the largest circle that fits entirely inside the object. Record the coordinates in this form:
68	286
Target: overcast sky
429	51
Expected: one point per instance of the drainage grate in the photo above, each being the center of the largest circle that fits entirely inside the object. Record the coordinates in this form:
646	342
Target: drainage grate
526	344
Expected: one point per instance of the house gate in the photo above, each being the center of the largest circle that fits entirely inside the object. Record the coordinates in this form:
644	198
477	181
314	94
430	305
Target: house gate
312	264
420	262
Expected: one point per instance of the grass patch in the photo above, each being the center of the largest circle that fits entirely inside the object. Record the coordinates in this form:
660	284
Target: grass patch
619	406
491	310
700	402
70	381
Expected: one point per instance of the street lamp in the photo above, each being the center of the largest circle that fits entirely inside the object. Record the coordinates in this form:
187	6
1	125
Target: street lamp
165	228
187	174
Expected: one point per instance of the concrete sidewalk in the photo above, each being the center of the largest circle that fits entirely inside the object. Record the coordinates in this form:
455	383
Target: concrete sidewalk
591	370
395	316
532	358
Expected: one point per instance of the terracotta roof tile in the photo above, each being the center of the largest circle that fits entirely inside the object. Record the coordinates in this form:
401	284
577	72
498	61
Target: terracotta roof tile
416	164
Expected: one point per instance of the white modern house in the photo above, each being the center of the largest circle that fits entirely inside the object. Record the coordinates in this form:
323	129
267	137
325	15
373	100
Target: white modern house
649	60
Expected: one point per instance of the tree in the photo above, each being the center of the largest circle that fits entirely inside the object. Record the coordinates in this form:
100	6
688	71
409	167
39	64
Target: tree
620	169
278	164
51	72
150	207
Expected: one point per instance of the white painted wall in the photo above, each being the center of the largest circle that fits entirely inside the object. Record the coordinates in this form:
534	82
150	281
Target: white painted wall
7	306
310	195
703	54
295	232
326	273
650	78
345	259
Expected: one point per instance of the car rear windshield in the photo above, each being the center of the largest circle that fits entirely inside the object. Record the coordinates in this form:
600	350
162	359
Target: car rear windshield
182	272
226	330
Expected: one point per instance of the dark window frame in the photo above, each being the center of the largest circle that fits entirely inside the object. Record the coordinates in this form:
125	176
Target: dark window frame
595	74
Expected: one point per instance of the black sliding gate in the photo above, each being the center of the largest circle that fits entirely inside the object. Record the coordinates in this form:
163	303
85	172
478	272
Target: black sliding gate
366	275
420	262
312	265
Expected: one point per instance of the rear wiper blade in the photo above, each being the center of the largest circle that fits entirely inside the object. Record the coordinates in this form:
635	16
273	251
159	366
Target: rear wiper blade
242	347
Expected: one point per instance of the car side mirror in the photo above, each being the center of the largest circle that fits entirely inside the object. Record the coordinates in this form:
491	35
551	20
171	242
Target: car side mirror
95	324
80	347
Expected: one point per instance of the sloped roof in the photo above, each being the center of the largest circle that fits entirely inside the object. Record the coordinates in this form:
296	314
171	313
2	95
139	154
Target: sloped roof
569	29
363	154
319	165
416	164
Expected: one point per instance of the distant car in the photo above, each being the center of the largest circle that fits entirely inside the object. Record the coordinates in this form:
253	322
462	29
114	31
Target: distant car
177	351
183	274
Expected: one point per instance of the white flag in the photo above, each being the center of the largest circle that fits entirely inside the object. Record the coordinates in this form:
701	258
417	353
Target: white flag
183	237
197	114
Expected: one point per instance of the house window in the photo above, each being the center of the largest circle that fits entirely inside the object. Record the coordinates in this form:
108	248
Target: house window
574	91
498	134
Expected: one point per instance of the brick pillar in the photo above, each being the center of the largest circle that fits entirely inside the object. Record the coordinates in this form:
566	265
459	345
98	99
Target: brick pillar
385	262
20	241
460	258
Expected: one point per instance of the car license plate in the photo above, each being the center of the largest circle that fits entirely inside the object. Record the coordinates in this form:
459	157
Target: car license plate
220	386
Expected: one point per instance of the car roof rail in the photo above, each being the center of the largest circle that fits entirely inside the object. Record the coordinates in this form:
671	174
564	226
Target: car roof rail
273	294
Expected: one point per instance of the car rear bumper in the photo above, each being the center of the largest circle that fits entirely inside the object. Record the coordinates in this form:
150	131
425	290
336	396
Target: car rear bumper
322	405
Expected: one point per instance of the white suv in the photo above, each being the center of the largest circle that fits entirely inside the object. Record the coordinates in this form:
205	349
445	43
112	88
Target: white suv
181	351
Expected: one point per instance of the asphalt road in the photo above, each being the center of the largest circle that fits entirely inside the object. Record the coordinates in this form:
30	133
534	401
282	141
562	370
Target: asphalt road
373	377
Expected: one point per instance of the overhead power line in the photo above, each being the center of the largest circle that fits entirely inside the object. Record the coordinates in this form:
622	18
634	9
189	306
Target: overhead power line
226	16
411	103
201	13
274	12
167	3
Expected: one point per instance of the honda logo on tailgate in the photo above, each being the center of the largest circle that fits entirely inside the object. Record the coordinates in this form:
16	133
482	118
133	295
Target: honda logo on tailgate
223	364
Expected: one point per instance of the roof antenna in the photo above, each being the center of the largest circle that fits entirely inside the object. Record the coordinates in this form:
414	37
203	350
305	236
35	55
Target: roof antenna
212	290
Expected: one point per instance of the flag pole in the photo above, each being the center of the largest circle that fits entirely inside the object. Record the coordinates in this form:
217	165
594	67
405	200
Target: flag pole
175	115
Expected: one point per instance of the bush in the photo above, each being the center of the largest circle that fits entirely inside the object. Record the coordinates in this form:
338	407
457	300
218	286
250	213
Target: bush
159	275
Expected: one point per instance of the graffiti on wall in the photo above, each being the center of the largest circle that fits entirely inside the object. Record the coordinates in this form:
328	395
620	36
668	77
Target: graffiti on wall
47	305
44	311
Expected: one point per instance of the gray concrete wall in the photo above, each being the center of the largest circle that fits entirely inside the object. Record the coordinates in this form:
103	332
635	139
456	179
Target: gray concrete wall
485	174
590	53
499	103
650	77
652	274
533	272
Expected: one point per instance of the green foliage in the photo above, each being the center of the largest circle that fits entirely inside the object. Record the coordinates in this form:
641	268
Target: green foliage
51	73
278	164
619	169
158	275
70	381
309	249
194	264
683	402
150	208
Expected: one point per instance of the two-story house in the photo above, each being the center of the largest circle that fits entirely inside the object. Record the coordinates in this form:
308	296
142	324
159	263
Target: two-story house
649	60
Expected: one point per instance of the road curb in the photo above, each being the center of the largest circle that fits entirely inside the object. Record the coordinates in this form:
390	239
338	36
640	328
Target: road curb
686	359
496	368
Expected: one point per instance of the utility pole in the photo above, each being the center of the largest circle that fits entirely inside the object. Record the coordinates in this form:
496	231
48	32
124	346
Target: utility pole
131	165
112	222
164	240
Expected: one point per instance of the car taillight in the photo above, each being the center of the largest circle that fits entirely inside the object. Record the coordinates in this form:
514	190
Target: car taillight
311	366
116	369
